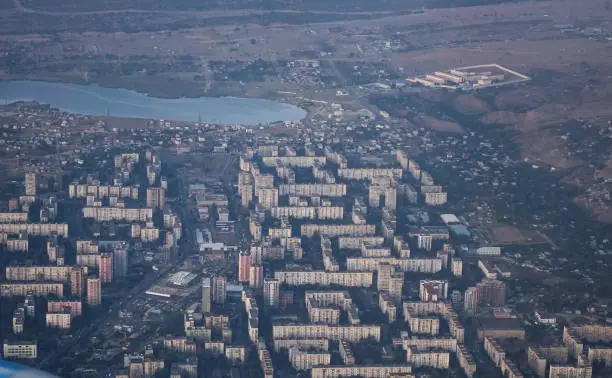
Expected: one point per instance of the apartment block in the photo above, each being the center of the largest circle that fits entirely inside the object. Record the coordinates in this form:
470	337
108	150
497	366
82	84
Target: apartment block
94	291
11	289
457	267
318	331
310	190
156	198
424	325
436	198
58	319
267	198
466	361
76	190
18	320
346	352
356	242
331	230
371	264
13	217
428	358
35	229
39	272
305	360
271	292
31	184
19	350
448	344
75	308
312	277
365	371
368	173
498	356
236	354
433	290
316	344
308	212
294	161
108	214
443	309
387	306
185	369
180	345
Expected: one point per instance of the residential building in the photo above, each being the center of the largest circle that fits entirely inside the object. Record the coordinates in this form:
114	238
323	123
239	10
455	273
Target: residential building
94	291
19	350
219	289
206	295
271	289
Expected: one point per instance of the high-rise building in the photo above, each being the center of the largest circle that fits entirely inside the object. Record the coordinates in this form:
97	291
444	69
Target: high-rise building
76	281
433	290
18	320
120	261
389	280
106	267
30	305
470	300
30	184
457	266
456	298
491	293
256	276
271	289
219	287
206	295
94	291
13	204
52	249
156	198
244	265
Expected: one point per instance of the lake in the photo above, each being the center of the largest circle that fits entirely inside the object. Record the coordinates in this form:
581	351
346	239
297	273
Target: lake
117	102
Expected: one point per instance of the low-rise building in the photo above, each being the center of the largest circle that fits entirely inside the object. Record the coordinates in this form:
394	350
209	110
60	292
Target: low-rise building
19	350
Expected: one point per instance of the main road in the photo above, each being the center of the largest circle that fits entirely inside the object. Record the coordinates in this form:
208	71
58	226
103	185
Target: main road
84	333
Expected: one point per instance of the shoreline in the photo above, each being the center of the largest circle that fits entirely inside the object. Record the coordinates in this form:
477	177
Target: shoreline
133	98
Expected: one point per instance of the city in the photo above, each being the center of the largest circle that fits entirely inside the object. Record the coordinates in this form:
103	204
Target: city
305	189
290	256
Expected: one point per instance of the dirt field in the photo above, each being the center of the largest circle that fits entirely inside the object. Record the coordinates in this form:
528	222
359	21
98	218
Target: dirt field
438	124
442	38
469	104
507	234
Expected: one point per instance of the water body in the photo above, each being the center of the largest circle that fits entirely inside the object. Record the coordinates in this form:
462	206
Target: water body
100	101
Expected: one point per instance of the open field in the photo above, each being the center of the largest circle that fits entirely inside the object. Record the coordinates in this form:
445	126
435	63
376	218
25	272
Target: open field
174	5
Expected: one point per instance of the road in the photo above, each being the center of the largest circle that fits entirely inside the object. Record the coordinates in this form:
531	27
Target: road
83	334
